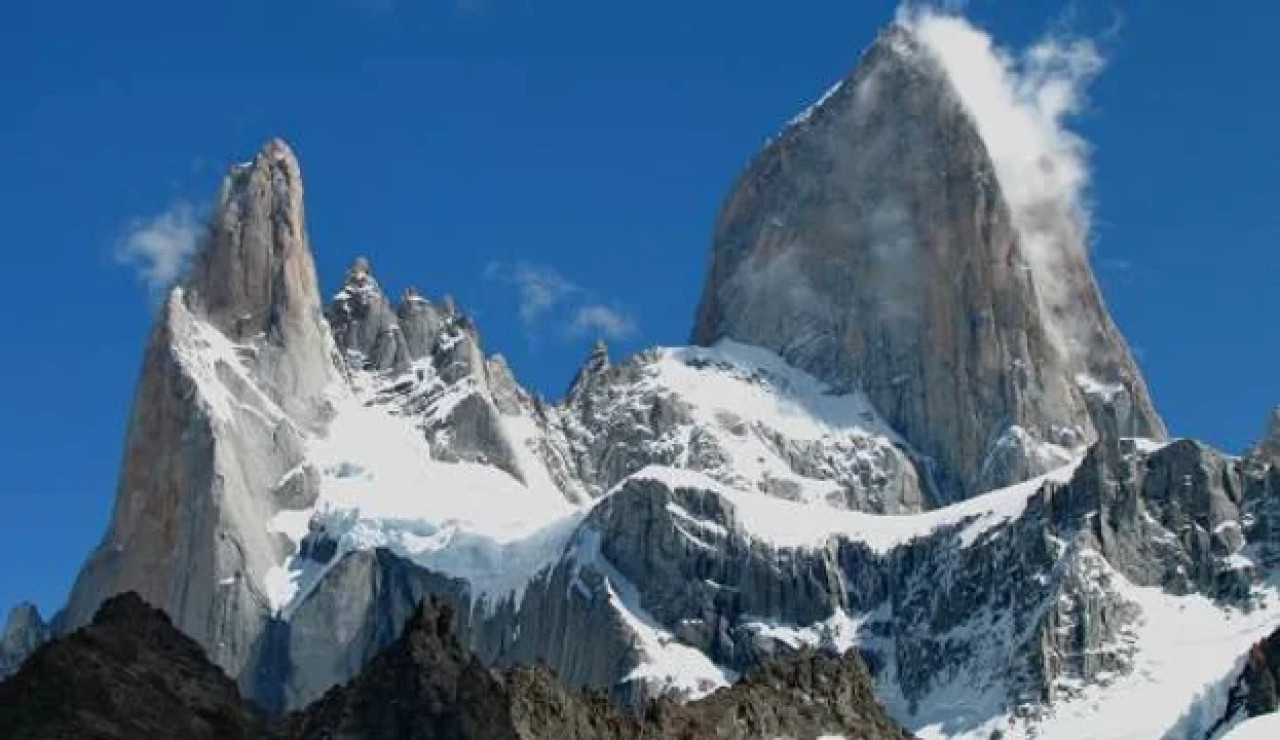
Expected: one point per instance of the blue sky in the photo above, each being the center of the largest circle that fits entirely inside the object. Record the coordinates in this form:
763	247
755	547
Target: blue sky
452	140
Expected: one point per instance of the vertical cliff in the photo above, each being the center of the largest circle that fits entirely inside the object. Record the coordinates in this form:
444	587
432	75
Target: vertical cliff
872	245
234	379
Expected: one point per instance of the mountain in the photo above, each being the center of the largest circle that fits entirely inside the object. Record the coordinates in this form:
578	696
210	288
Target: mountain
234	381
889	435
871	245
130	673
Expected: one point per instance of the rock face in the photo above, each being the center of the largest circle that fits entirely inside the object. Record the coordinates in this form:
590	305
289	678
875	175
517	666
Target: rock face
360	608
744	418
871	245
425	685
255	281
127	674
24	631
1257	690
1267	449
235	377
364	324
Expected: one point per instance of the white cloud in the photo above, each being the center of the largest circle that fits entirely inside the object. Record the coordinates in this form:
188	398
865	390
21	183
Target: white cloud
540	288
1020	102
602	322
543	293
160	247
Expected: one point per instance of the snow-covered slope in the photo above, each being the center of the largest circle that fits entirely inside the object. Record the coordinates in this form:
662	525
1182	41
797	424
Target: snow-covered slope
744	417
745	421
381	487
1266	727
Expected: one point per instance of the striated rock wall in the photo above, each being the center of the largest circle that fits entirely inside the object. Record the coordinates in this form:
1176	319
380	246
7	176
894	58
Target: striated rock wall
871	245
235	377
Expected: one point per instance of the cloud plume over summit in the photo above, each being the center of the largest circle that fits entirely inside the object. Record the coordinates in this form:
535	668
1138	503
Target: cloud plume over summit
1021	102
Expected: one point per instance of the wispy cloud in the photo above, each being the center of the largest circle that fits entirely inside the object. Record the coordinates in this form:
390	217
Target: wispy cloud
602	322
1021	102
546	296
538	287
159	247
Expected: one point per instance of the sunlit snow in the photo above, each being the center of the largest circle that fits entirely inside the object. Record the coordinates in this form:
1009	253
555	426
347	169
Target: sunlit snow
1266	727
789	524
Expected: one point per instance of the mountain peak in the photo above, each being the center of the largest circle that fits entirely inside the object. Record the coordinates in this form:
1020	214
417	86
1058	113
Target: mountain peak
871	244
255	272
238	369
593	367
1267	448
358	284
359	267
599	353
364	323
899	40
277	149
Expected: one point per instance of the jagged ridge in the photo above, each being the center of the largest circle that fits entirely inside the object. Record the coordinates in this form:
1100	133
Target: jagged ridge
130	673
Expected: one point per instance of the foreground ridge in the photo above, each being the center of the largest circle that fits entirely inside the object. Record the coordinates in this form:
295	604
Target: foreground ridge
130	673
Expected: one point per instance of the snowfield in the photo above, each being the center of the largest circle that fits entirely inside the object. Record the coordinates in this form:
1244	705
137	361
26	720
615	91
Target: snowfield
1266	727
380	488
788	524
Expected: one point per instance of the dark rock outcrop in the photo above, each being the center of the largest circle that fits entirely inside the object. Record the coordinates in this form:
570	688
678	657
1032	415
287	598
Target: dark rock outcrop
1255	691
807	694
1260	681
131	674
871	244
128	674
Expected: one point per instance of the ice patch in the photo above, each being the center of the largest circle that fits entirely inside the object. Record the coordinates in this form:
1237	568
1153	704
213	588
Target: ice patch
838	633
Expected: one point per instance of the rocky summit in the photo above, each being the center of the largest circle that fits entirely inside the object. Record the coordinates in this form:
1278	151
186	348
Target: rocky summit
871	244
905	454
